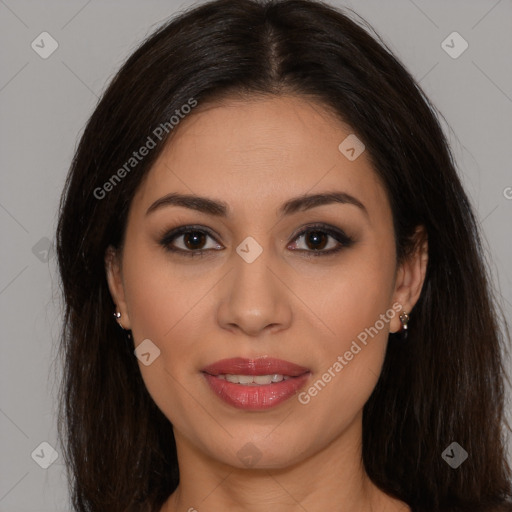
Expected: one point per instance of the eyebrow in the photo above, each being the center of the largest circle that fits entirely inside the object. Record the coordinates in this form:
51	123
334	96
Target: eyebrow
221	209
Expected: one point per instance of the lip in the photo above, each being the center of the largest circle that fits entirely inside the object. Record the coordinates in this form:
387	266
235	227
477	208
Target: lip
259	366
255	397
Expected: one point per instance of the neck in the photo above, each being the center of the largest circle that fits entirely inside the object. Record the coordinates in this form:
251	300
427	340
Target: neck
333	477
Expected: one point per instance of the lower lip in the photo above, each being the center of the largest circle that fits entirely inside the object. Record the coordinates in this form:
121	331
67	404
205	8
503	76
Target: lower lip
256	397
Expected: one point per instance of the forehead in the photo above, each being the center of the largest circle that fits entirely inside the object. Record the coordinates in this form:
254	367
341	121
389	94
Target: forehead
256	154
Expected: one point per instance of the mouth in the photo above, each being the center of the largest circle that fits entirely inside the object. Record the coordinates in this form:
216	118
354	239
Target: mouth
255	384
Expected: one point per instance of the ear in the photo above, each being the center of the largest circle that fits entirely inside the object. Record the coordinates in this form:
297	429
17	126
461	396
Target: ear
116	286
411	276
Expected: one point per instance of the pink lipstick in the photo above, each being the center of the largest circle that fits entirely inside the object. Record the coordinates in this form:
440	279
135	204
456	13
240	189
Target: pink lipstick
255	384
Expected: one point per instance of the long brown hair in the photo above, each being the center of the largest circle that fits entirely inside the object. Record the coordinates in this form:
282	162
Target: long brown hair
444	384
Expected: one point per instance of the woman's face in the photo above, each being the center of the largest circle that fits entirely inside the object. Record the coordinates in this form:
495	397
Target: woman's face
324	300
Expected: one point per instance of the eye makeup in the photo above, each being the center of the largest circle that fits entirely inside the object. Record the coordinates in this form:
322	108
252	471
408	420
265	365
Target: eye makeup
194	237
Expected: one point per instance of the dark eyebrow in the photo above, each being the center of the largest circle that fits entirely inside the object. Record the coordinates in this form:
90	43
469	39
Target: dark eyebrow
306	202
220	208
201	204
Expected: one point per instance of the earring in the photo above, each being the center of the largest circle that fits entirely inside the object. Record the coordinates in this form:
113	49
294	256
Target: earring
404	318
117	315
128	332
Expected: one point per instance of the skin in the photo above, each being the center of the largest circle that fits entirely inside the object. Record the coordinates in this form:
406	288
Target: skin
254	155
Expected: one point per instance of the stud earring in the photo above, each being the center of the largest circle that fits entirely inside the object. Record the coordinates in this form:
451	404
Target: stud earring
128	332
117	315
404	319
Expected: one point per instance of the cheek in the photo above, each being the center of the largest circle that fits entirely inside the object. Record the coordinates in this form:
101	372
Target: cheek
158	298
354	296
160	305
351	359
356	305
167	306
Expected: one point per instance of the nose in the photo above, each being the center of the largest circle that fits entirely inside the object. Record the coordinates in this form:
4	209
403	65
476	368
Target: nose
255	297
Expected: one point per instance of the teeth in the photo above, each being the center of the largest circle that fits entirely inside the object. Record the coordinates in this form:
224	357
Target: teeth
266	379
243	379
254	380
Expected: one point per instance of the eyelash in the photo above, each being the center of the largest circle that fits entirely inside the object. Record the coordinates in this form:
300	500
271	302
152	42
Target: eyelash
335	233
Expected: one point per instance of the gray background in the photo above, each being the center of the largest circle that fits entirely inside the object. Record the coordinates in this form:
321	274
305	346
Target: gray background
46	102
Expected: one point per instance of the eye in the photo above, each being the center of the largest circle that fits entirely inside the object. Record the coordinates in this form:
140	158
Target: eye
192	243
315	239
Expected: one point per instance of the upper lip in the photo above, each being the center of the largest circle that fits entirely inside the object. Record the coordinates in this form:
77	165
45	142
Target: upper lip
258	366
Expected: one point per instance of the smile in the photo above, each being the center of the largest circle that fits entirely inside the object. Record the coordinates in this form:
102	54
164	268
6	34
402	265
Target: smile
255	384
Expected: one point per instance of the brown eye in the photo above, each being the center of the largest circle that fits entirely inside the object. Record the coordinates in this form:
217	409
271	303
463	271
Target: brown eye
320	240
193	241
316	240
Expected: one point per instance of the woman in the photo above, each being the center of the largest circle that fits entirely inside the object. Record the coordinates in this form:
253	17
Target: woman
274	284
